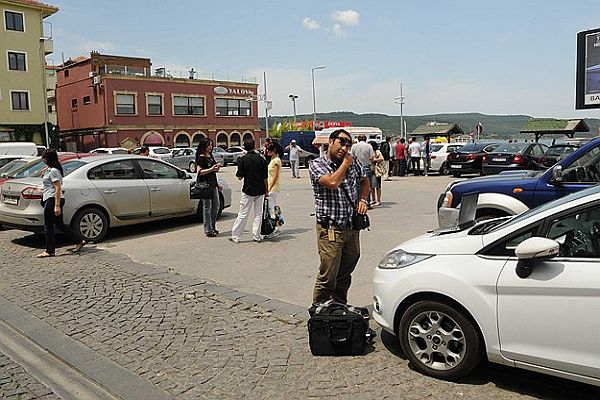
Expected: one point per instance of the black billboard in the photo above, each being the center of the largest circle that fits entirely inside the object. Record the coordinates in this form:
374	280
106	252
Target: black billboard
587	93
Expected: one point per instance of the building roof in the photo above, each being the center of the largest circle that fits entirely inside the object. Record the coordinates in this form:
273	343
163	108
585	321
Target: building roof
548	125
438	129
47	9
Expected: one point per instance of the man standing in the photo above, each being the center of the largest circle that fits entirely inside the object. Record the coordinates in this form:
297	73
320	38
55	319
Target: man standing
393	161
364	153
294	152
401	157
426	154
252	168
414	149
385	152
341	187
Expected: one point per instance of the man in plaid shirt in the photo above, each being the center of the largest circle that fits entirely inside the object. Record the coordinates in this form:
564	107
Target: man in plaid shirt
340	186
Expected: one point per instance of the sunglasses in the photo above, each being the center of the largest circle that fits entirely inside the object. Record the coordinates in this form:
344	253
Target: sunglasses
344	141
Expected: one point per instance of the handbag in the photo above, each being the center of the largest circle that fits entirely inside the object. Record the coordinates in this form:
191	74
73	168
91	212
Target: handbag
201	190
359	221
268	224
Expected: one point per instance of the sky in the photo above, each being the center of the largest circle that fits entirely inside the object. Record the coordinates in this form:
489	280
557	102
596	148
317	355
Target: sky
453	56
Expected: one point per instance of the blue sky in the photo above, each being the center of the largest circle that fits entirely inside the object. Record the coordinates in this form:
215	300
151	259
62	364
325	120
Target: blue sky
509	57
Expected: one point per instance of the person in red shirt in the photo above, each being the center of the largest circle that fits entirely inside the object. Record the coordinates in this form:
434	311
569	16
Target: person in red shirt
401	157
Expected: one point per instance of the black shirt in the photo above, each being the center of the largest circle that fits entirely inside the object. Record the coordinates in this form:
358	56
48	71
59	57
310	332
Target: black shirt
205	163
253	168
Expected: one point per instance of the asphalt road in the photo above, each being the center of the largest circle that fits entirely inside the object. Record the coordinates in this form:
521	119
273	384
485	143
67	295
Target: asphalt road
284	267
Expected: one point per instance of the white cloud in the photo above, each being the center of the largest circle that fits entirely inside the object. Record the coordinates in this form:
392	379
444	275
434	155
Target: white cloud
347	17
338	31
310	24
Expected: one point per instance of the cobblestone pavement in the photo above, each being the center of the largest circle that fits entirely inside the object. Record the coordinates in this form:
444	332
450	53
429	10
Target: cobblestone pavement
17	384
198	344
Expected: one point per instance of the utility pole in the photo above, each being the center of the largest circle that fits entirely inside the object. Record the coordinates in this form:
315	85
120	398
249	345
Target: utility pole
400	100
294	97
312	72
267	105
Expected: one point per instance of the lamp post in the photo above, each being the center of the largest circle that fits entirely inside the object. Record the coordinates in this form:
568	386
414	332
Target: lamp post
400	100
294	97
312	72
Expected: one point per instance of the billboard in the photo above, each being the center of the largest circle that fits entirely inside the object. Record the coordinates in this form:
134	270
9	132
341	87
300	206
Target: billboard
587	93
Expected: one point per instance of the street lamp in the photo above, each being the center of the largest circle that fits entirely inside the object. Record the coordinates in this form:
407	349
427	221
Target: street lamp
400	100
312	72
294	97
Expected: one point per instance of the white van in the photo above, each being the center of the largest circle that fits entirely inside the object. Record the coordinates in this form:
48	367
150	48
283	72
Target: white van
371	133
18	148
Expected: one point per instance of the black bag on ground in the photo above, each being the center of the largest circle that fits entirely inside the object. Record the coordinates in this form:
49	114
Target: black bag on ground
201	190
268	224
336	329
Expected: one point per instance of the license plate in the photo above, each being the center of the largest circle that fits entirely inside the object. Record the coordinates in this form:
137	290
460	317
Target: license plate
499	159
11	200
455	166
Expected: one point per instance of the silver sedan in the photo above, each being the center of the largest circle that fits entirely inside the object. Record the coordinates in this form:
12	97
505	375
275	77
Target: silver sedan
185	158
107	191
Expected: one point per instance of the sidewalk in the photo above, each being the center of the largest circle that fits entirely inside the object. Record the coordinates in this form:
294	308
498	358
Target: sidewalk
195	340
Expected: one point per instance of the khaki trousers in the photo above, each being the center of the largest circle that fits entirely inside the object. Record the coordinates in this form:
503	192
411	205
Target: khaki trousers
338	260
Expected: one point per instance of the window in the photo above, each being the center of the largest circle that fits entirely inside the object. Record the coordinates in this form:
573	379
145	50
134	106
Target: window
507	246
74	103
125	104
16	61
188	105
86	100
154	103
20	101
233	107
114	170
14	21
578	234
585	169
50	108
158	170
66	73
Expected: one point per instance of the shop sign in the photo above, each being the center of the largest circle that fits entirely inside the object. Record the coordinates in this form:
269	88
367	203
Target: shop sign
221	90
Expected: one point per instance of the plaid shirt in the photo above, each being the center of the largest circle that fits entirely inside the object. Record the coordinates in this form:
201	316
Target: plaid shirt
333	205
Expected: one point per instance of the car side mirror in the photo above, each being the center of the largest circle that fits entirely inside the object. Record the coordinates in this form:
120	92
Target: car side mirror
557	173
534	250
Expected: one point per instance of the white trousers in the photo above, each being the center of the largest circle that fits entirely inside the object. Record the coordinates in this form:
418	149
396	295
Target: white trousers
272	202
246	203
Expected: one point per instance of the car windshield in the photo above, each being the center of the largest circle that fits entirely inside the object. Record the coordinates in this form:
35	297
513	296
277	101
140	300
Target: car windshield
10	167
436	147
558	150
120	151
472	148
511	148
545	207
161	150
218	150
27	170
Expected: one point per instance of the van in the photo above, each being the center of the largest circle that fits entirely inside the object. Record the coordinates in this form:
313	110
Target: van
373	134
18	149
304	139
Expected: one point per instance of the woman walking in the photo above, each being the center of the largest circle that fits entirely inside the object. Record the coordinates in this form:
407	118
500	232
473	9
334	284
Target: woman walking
53	203
207	169
379	171
274	170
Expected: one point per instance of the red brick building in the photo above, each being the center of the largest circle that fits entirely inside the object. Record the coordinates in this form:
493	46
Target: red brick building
112	101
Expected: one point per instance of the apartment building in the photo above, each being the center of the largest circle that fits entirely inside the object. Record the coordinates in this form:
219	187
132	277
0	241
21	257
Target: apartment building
109	101
23	48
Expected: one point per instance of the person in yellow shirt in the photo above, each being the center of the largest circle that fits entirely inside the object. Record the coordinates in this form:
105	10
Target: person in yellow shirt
274	171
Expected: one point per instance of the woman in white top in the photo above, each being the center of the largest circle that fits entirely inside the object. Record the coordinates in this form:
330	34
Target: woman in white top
53	202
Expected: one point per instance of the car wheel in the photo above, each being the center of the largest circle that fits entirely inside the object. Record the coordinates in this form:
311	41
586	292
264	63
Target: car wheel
91	224
192	167
444	169
456	174
439	340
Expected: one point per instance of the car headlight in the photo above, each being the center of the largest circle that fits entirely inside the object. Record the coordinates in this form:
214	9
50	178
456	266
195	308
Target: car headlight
400	259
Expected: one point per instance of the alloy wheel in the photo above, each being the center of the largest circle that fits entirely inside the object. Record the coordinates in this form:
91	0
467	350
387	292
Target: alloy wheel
91	226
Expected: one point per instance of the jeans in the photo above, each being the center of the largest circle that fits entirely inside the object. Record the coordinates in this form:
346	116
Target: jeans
295	164
338	260
246	203
210	209
415	165
51	221
401	166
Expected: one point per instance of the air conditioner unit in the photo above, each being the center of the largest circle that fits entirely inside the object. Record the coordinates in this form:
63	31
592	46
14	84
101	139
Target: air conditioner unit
96	80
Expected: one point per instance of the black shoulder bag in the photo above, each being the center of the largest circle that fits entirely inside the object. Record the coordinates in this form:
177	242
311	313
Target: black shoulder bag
200	189
359	221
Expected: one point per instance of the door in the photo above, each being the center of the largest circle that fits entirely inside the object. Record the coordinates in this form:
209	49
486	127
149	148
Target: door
169	193
550	319
122	188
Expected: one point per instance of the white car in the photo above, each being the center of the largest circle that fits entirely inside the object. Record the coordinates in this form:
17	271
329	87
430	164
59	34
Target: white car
110	150
439	153
523	291
162	153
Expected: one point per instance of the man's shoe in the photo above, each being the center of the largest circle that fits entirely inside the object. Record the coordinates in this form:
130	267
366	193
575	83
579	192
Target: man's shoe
258	240
234	240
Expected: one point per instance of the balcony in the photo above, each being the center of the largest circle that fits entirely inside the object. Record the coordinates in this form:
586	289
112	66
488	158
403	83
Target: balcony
48	46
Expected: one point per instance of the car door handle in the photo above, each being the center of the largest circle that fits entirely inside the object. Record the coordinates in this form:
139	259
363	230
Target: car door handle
155	189
110	191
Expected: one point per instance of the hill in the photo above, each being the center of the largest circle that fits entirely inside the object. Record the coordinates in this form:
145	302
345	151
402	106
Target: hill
500	126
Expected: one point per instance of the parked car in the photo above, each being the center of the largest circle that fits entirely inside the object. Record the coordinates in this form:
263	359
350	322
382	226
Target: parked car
14	165
221	156
515	192
36	166
103	192
557	152
439	154
5	159
184	158
161	153
235	152
469	158
514	156
520	291
110	150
